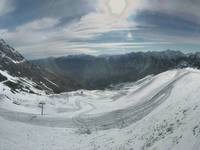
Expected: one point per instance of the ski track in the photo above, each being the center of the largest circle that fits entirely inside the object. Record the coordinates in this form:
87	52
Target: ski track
115	119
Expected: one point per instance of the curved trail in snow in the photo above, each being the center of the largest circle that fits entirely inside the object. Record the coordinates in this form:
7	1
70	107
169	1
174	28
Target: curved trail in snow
114	119
125	117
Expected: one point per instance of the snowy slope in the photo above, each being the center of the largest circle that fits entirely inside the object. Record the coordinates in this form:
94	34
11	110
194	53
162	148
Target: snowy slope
16	65
157	112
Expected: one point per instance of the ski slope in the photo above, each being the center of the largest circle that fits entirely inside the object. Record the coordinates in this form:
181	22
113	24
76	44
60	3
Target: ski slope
157	112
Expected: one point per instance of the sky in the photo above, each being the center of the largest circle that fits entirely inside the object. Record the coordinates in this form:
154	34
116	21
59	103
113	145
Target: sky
46	28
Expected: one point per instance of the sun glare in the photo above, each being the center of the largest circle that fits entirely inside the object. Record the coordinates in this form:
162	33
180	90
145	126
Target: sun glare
117	7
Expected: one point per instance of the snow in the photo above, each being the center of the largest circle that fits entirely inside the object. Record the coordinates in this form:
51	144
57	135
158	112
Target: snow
14	61
50	82
157	112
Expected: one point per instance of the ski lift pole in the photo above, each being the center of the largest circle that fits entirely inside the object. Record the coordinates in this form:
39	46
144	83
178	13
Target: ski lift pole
42	107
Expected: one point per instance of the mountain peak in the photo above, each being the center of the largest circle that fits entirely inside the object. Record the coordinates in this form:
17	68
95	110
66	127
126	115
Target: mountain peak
9	53
2	42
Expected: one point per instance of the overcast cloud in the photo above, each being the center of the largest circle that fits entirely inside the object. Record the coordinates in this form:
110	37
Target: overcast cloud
43	28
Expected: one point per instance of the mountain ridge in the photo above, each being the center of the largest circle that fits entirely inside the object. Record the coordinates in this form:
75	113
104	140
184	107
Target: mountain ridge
99	72
73	72
16	65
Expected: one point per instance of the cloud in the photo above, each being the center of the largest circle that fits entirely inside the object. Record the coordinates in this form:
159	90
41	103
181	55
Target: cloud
50	28
103	20
188	9
41	24
64	48
6	6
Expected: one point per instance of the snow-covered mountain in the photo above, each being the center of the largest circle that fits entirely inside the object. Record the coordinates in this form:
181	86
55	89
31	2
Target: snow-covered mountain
9	54
156	112
16	65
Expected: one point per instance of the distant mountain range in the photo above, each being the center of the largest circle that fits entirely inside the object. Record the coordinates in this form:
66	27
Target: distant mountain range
90	72
100	72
